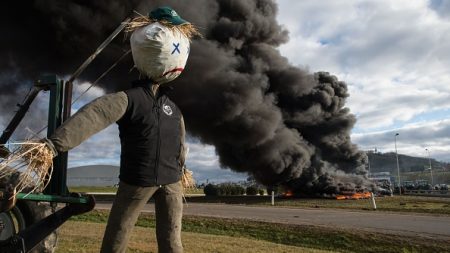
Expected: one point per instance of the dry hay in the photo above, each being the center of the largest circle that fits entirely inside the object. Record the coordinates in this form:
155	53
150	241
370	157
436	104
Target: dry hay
188	30
187	179
29	164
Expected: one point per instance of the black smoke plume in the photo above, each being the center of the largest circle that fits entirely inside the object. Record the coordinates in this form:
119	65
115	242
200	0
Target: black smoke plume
277	122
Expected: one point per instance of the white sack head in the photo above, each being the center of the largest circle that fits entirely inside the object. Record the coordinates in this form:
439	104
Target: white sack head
159	52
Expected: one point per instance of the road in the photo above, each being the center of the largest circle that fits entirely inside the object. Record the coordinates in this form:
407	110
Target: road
437	227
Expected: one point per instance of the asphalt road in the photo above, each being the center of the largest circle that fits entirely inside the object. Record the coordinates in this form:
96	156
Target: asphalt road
437	227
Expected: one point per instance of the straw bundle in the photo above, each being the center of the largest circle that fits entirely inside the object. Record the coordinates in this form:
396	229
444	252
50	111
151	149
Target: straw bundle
187	179
188	30
33	161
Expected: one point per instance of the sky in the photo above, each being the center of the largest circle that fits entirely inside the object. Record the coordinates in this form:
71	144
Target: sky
394	56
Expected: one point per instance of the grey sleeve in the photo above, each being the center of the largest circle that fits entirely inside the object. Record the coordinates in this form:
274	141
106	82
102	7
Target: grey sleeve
183	146
89	120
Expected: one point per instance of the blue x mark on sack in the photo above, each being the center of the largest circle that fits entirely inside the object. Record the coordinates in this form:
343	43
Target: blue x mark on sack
176	49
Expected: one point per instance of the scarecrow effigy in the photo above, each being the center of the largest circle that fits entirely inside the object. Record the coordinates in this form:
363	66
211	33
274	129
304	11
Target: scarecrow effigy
160	50
151	130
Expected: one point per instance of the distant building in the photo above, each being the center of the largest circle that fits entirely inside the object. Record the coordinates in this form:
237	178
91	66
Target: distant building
92	181
93	175
384	177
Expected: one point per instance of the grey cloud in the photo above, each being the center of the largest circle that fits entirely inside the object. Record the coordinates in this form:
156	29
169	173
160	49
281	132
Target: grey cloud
214	174
100	148
419	134
442	8
411	140
395	59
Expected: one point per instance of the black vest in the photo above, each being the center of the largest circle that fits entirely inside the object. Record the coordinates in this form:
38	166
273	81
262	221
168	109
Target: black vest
150	137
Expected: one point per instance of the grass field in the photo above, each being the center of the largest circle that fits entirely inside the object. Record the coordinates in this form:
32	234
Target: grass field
203	234
106	189
431	205
85	237
393	204
111	189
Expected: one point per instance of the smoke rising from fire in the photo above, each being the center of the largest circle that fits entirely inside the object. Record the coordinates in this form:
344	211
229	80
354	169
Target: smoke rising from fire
275	121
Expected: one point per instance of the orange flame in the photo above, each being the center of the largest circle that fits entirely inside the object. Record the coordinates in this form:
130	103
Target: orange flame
288	193
357	195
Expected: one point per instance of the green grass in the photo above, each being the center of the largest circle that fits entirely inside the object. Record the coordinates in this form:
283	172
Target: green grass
103	189
433	205
86	237
111	189
194	191
417	204
293	235
393	204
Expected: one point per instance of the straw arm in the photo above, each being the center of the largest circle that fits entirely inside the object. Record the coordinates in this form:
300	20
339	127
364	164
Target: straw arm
89	120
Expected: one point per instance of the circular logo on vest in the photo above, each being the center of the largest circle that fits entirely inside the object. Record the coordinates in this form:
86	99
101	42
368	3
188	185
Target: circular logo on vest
167	110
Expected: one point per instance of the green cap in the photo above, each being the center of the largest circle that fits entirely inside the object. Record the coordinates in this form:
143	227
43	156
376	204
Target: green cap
168	14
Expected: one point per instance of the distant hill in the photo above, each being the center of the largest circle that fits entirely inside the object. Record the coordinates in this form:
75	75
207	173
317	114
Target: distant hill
93	175
381	162
107	175
94	171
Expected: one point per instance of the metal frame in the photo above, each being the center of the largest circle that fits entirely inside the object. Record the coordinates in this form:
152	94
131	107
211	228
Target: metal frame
56	191
57	185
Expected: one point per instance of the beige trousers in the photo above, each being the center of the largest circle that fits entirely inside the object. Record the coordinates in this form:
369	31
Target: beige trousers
125	211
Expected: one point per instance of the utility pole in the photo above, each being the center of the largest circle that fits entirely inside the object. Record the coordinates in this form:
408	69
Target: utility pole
398	167
431	171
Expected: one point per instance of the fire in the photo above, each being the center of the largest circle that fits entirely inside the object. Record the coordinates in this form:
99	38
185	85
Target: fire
288	193
355	195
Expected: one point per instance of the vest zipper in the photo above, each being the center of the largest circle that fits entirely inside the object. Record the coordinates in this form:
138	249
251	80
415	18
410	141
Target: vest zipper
158	141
